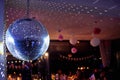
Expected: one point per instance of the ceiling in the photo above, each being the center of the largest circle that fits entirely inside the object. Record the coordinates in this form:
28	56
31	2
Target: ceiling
70	18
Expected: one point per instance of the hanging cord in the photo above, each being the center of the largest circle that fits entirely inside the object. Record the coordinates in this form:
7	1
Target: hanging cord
27	10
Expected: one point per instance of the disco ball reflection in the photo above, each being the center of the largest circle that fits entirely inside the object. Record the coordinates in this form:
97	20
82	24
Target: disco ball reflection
27	39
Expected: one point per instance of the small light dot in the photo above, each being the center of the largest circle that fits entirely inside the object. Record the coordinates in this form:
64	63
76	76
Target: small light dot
82	9
91	10
96	7
81	6
86	7
88	12
111	19
105	10
101	20
100	13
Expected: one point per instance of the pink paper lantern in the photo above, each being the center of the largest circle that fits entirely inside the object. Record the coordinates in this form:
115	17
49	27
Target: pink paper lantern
95	42
73	50
60	37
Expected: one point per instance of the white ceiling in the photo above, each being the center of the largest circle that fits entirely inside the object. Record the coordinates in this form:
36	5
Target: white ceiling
76	18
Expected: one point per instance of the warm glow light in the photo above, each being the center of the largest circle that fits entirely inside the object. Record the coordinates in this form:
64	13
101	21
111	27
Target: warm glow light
81	68
39	60
1	48
88	68
46	54
19	78
31	61
10	77
69	55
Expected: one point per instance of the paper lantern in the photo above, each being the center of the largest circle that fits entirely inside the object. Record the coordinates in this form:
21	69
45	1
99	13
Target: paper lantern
95	42
73	50
27	39
73	41
60	37
97	30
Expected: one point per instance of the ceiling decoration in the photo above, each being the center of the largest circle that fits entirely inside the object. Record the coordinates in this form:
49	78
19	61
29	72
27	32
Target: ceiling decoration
72	16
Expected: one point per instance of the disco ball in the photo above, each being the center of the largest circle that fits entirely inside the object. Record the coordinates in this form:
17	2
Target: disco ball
27	39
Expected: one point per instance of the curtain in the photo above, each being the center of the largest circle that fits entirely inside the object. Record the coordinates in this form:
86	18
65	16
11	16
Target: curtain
105	51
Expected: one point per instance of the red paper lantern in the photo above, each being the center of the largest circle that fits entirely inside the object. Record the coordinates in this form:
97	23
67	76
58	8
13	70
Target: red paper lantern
97	30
